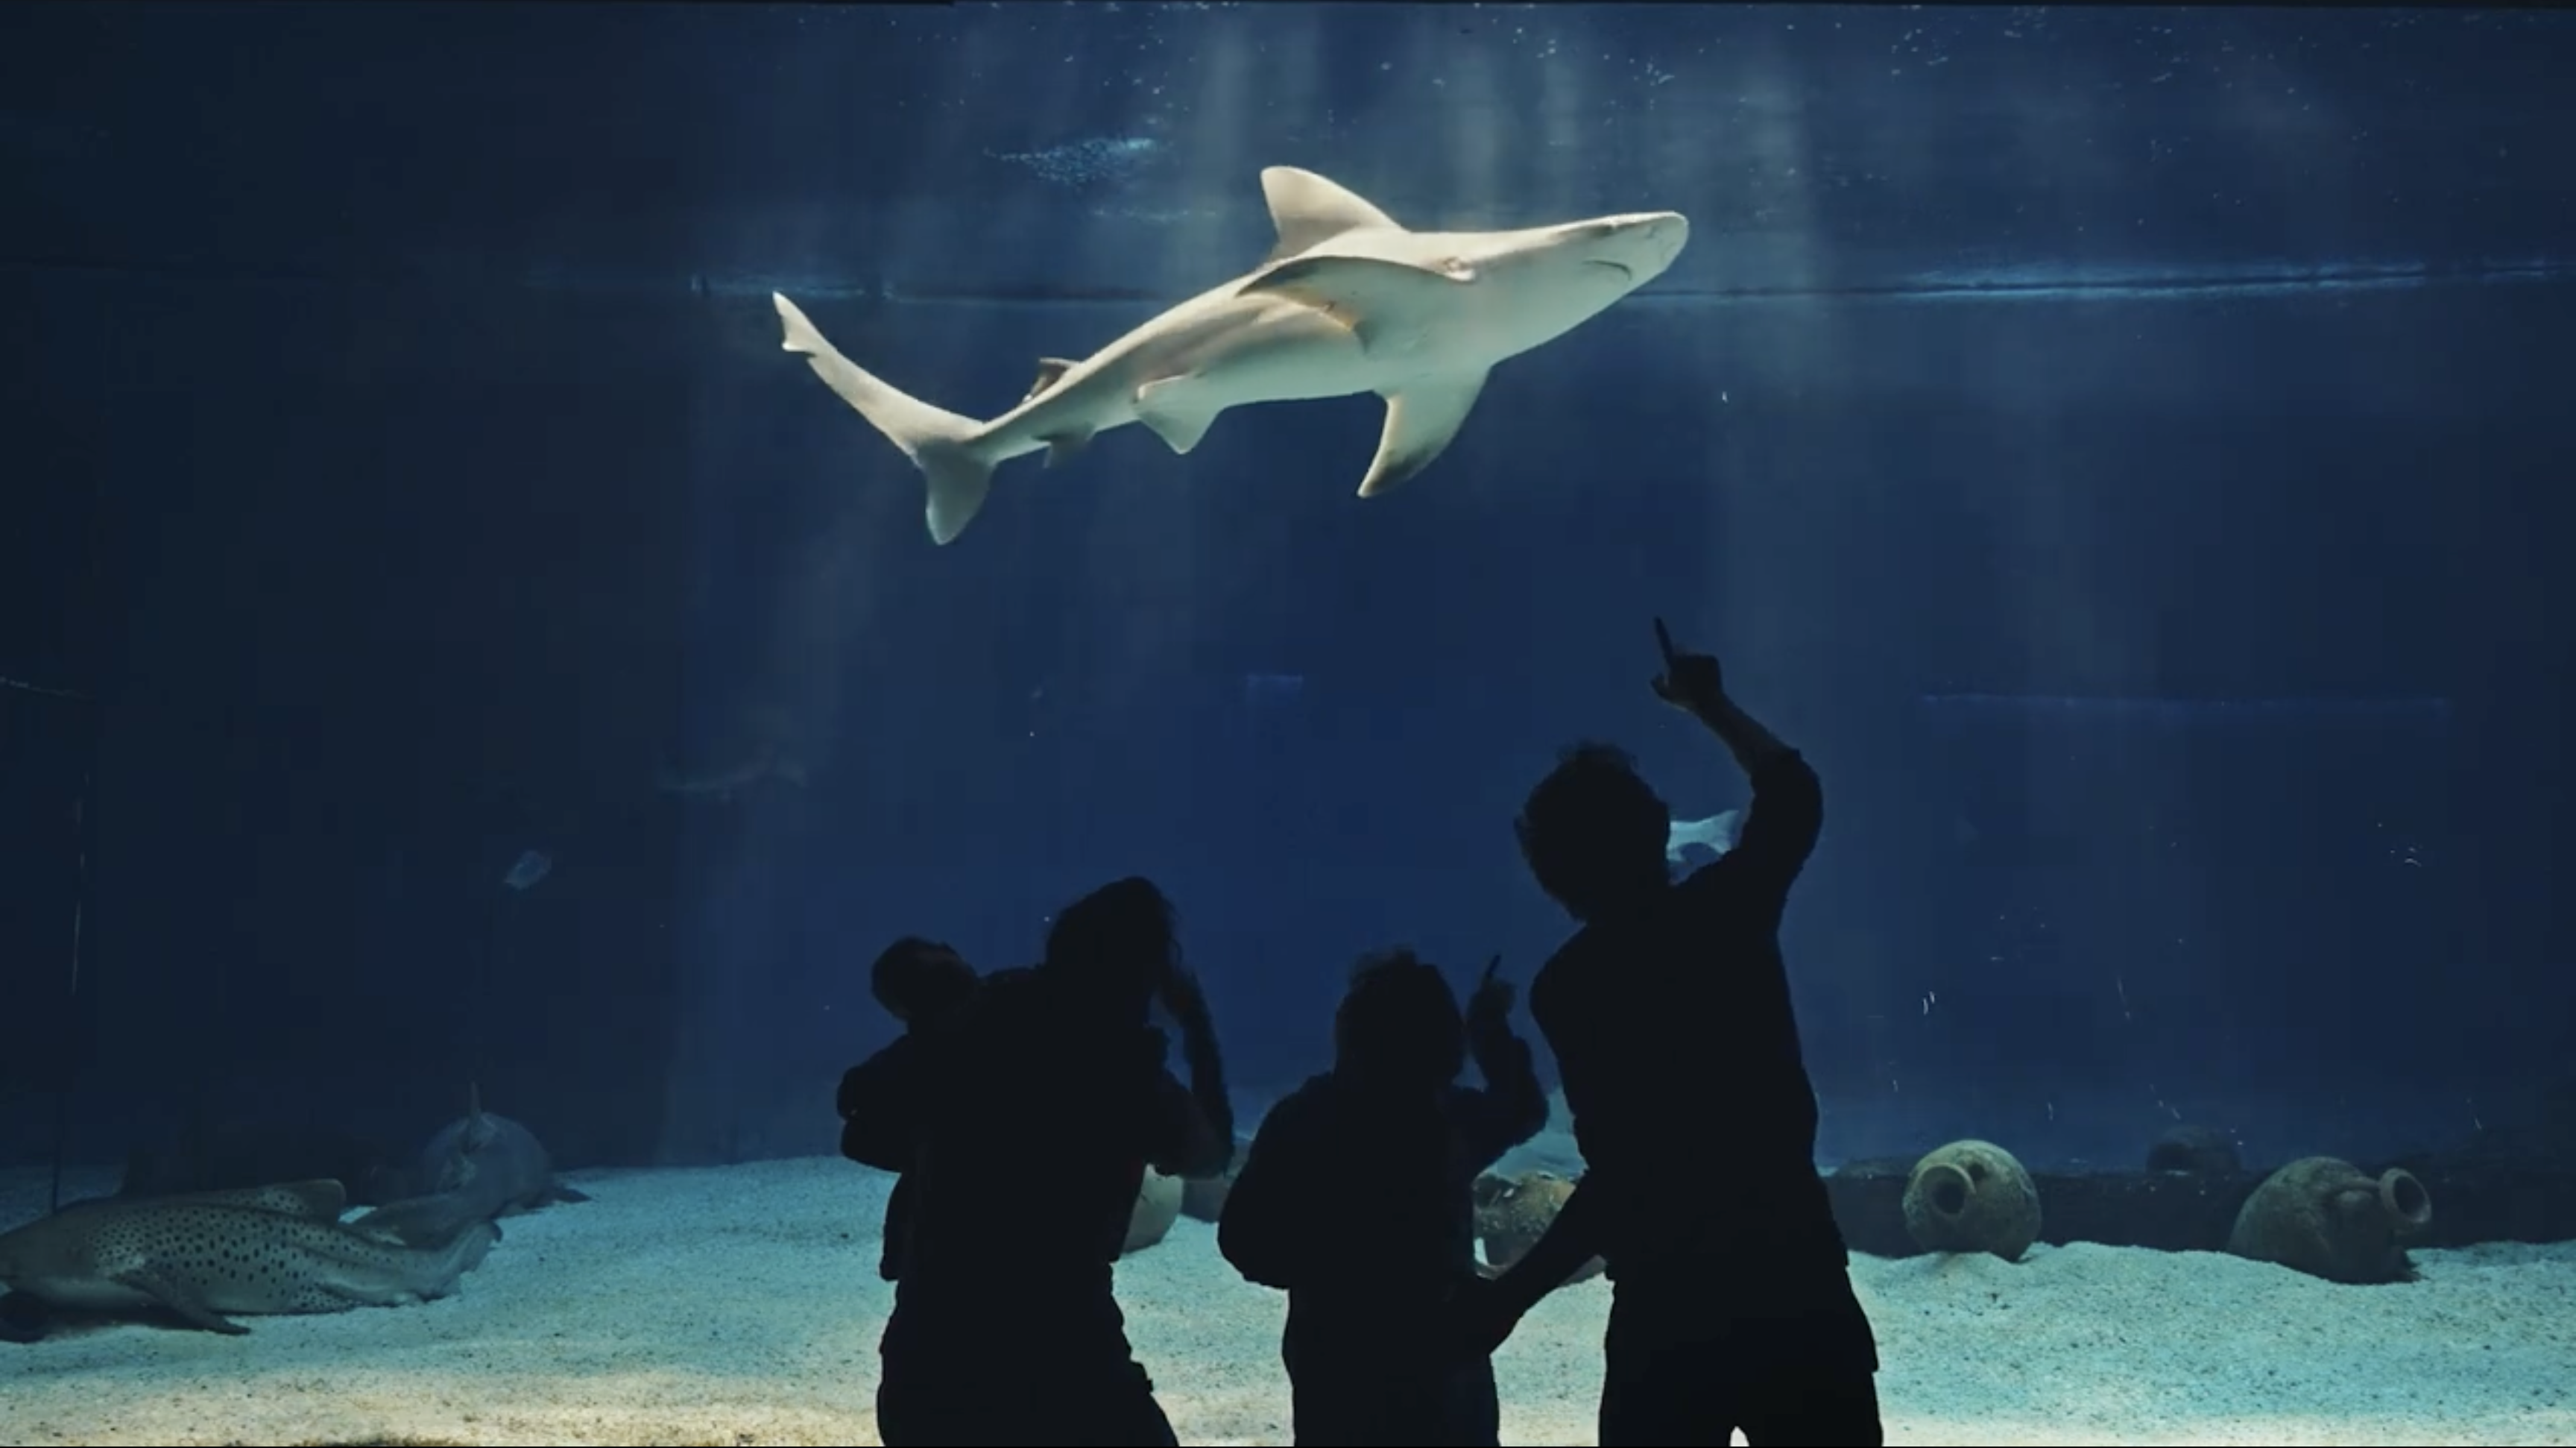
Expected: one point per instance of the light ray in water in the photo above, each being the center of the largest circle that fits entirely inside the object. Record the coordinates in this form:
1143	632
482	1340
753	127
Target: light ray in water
2172	713
1087	162
2002	286
1272	689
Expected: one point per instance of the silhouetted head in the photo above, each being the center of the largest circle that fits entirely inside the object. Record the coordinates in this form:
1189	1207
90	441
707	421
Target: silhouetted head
915	977
1594	833
1399	1024
1116	946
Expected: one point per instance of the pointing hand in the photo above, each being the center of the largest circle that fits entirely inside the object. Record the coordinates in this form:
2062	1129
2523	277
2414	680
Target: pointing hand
1689	681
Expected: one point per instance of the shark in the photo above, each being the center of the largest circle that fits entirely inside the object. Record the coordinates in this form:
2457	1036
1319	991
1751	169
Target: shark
1347	302
1716	834
767	750
203	1255
725	782
476	1170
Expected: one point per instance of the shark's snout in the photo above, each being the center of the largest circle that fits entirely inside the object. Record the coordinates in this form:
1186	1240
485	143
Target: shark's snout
1653	241
1638	246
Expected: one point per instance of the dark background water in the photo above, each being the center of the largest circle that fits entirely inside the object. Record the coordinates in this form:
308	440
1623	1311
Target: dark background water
400	456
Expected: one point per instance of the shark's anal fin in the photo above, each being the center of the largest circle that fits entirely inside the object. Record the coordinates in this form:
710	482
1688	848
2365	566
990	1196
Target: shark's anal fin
1063	445
1178	410
183	1301
1308	209
1421	421
1385	303
1051	371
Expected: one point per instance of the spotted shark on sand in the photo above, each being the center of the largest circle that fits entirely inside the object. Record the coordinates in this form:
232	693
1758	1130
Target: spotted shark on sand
1349	301
206	1256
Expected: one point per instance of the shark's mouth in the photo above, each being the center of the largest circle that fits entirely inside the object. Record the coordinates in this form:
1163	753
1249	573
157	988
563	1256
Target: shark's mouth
1620	268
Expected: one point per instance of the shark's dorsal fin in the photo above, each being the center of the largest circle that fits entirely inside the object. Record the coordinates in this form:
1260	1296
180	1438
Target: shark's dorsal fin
1051	371
478	1130
1308	209
1376	299
320	1200
1421	421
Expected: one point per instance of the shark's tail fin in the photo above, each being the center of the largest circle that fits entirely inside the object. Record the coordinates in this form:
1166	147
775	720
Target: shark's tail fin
461	1256
934	439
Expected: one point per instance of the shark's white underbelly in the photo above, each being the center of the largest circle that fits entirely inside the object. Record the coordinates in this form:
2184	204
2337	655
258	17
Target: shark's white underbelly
85	1294
1256	350
1306	357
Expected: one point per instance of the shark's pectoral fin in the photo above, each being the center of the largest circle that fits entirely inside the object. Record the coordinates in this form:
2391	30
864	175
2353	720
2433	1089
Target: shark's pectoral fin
183	1301
1421	421
1062	446
1179	410
1384	303
1051	371
1308	209
558	1192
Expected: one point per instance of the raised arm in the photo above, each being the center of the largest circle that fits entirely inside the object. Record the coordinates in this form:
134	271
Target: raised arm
1512	1106
1196	1135
1788	811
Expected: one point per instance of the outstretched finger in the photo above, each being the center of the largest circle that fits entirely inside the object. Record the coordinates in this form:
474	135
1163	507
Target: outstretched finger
1491	966
1664	641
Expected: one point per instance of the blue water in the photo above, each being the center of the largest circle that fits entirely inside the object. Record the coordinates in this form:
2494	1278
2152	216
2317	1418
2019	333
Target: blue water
445	641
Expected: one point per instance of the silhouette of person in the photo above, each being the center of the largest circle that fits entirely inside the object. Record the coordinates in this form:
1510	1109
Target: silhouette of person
1027	1123
921	983
1668	1011
1369	1275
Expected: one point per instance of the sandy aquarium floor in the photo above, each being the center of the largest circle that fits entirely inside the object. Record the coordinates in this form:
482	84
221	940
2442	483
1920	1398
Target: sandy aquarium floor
741	1306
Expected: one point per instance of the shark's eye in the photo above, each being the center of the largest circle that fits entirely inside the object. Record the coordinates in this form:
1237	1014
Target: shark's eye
1457	266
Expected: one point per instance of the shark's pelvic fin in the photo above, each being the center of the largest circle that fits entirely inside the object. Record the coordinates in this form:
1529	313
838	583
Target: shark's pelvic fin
1051	371
183	1299
1178	410
1308	209
935	439
1382	302
1421	421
